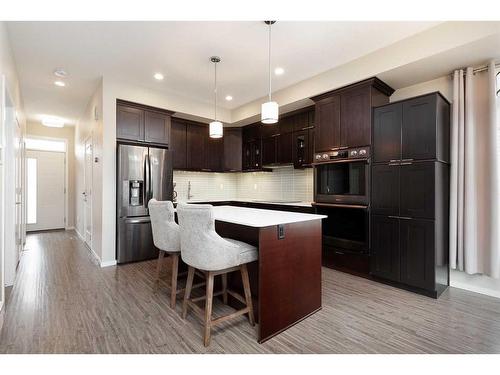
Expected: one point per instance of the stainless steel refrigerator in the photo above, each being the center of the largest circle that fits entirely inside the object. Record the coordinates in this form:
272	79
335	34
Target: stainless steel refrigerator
143	173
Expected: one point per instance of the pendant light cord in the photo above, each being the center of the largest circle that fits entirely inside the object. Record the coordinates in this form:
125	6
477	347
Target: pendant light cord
270	61
215	93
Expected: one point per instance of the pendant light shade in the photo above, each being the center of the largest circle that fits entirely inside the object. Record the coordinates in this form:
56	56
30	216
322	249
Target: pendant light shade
215	128
269	110
269	113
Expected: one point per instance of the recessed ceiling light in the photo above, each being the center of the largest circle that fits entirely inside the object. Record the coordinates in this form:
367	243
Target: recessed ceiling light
60	72
229	98
279	71
59	83
158	76
53	122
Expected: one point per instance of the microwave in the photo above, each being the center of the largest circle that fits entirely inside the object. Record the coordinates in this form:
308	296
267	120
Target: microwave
342	177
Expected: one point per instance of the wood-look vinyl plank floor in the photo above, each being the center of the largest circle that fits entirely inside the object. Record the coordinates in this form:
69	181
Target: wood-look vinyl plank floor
63	302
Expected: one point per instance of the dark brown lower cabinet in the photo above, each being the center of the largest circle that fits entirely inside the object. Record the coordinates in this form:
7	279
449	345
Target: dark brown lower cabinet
385	255
410	252
417	253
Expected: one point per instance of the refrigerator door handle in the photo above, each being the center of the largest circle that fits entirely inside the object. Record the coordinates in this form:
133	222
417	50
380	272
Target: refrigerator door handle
147	174
150	179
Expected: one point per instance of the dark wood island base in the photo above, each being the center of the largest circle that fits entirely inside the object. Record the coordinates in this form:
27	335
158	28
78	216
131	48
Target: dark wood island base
286	280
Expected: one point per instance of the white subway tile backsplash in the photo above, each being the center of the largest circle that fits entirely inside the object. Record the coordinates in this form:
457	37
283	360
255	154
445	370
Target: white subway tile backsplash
281	184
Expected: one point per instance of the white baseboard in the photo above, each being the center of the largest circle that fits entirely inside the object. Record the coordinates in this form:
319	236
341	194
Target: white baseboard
70	228
475	283
92	252
108	263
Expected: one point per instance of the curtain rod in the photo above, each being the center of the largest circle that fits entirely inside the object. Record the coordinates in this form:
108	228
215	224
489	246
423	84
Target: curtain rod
477	70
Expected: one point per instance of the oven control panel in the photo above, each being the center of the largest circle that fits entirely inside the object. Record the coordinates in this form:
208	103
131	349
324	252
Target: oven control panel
343	153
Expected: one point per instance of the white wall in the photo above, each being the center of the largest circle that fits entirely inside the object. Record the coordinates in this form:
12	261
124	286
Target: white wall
86	127
67	133
9	143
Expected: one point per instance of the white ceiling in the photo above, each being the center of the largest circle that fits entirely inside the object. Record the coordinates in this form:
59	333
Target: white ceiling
133	51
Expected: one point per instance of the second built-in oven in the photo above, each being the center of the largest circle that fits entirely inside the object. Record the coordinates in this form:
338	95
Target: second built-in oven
342	177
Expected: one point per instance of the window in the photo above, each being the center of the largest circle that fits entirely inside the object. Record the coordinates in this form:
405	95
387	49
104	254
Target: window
31	185
45	144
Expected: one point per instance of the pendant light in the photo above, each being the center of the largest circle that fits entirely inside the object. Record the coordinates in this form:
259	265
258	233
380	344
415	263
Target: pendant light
270	109
215	127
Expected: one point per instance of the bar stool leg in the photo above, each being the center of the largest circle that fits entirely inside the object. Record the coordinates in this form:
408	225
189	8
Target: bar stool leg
224	288
173	284
248	295
158	267
187	293
208	308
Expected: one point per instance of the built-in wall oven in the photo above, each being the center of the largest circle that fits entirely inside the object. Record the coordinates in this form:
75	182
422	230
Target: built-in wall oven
341	192
342	176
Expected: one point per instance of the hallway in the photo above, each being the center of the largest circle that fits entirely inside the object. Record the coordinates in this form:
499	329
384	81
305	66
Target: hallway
62	302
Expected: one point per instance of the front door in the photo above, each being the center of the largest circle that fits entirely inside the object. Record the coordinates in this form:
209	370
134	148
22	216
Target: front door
45	174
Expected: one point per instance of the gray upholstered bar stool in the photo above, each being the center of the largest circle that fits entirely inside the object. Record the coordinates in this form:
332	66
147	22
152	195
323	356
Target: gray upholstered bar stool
166	239
203	249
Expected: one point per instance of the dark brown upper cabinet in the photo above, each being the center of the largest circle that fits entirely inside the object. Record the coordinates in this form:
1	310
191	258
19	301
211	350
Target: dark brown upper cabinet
270	150
129	123
303	148
285	148
215	154
141	123
327	128
355	120
387	133
232	149
412	129
418	132
178	144
156	127
197	147
343	116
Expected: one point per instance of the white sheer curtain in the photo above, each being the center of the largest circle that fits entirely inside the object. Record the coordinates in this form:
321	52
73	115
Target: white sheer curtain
475	173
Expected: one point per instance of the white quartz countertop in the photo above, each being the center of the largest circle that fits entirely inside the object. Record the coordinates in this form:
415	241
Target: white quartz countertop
257	217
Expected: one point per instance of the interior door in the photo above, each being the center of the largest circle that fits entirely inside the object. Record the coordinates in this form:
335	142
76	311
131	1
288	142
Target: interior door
87	193
46	186
19	191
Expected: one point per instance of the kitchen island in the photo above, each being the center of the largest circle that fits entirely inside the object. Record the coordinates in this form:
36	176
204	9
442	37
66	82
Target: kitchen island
286	280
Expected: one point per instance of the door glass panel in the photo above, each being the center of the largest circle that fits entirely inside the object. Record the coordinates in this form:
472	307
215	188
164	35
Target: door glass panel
45	144
31	189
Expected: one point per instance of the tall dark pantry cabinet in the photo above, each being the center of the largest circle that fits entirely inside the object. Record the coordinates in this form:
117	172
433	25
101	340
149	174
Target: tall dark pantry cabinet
410	193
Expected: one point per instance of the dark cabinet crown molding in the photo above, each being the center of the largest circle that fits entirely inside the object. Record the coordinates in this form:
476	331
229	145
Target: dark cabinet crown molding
374	82
143	106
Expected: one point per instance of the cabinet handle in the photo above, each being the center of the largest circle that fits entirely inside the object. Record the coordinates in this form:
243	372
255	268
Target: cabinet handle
276	135
407	160
407	163
394	164
308	127
399	217
393	160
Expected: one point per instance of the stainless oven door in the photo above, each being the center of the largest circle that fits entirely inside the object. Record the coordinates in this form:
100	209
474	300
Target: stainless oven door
342	182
